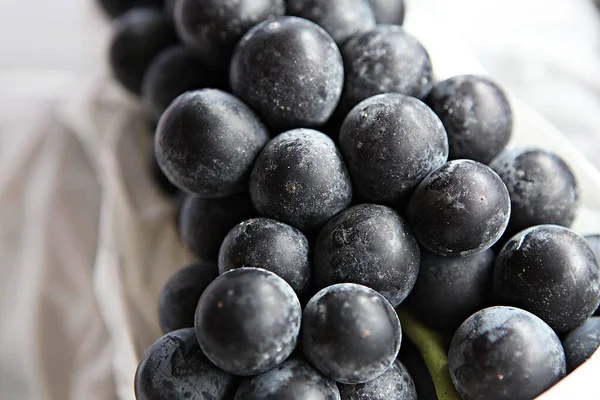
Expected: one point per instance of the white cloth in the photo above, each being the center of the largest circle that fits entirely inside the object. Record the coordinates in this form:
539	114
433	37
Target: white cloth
86	241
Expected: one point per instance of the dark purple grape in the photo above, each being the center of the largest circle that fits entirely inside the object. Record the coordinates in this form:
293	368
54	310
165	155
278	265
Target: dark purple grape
300	178
395	383
115	8
290	70
340	18
460	209
382	60
272	245
179	296
212	28
476	115
203	223
504	353
552	272
293	380
139	36
449	289
371	245
173	72
582	342
542	188
207	141
174	367
390	143
248	321
389	11
350	333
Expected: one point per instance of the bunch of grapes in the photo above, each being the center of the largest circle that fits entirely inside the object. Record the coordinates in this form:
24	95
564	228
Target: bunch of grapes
338	196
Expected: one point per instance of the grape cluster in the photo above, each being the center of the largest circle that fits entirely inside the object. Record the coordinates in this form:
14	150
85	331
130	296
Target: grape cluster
343	204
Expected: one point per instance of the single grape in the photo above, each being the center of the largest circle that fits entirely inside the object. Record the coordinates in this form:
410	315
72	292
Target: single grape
389	11
504	353
272	245
173	72
203	223
300	178
115	8
341	18
371	245
248	321
449	289
207	141
460	209
290	70
476	115
395	383
213	27
180	294
174	367
293	380
542	188
390	143
582	342
382	60
350	333
550	271
139	36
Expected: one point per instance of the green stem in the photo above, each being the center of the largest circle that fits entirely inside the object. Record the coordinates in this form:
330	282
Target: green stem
431	346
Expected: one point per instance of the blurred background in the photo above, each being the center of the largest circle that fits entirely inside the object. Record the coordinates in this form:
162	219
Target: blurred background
546	52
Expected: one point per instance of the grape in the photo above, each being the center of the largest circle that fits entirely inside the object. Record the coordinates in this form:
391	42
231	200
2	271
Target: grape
542	188
116	8
391	142
370	245
179	296
449	289
460	209
300	178
341	18
207	141
173	72
550	271
504	353
350	333
476	115
139	36
388	11
395	383
213	27
248	321
385	59
582	342
175	368
203	223
272	245
292	380
290	70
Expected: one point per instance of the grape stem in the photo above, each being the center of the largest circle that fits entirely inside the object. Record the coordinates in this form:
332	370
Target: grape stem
431	347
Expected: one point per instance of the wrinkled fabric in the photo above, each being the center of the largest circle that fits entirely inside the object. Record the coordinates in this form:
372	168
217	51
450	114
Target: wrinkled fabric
86	240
